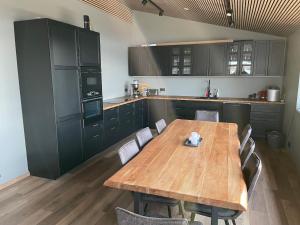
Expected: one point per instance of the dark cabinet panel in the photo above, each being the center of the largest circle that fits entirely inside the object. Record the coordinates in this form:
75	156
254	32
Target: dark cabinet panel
70	144
139	114
261	58
276	58
63	42
217	60
237	113
157	111
66	93
265	118
126	120
89	48
93	140
200	60
138	62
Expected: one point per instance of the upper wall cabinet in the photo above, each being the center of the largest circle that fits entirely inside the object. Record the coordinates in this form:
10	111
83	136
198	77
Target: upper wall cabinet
276	58
239	58
217	59
63	42
200	59
88	54
261	58
269	58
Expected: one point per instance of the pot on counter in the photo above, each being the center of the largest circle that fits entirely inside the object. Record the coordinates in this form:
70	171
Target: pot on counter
273	94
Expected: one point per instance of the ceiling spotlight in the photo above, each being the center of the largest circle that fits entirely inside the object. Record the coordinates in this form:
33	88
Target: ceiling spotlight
229	12
186	9
231	24
161	13
144	2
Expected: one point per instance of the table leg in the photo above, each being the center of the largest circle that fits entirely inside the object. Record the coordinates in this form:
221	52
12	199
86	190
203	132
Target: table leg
214	216
138	204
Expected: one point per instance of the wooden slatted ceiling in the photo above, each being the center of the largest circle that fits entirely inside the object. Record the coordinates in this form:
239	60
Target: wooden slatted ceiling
279	17
114	7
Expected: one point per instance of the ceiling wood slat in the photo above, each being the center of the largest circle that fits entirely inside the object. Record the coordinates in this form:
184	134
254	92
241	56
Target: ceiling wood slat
278	17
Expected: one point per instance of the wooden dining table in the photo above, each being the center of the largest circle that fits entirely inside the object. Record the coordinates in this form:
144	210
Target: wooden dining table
209	174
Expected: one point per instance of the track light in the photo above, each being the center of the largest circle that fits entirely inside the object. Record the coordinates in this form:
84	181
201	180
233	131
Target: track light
229	12
161	11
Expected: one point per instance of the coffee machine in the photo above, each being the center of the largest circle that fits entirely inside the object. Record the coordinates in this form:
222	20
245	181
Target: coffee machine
135	89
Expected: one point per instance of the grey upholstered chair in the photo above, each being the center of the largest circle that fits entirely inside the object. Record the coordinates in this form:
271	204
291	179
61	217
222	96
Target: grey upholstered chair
160	126
128	151
203	115
144	136
251	174
245	136
247	152
125	217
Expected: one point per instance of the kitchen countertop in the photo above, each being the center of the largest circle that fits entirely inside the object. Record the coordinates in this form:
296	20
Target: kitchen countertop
112	103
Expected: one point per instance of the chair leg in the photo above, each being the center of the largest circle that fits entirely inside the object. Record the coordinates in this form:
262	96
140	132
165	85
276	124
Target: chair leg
226	222
145	208
233	221
169	211
181	209
193	215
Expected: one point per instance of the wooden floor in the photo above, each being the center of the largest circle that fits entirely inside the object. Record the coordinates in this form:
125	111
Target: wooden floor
79	197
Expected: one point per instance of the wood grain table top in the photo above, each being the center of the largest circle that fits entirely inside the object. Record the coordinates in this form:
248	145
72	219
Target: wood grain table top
209	174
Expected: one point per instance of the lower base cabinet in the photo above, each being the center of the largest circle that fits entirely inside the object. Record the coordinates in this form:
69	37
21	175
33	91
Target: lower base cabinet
70	144
93	140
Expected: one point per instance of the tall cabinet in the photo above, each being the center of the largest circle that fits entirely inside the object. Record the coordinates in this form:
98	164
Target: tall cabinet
49	55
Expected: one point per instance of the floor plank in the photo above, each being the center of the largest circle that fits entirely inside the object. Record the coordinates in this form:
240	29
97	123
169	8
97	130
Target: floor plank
80	198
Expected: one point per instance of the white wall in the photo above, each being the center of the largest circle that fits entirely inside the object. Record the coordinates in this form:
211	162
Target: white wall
151	28
115	39
292	117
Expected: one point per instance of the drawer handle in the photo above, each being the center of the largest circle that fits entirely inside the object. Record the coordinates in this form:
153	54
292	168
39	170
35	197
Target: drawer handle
113	118
95	125
96	136
113	128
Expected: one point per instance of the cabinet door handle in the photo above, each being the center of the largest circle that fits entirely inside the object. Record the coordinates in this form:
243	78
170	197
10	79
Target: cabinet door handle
95	125
113	128
113	118
96	136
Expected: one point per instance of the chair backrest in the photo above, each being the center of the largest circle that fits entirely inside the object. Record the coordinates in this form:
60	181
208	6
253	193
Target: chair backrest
128	151
144	136
125	217
247	152
252	172
245	136
160	125
203	115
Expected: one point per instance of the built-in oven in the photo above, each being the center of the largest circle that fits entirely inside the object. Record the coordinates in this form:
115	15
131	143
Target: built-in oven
92	111
91	85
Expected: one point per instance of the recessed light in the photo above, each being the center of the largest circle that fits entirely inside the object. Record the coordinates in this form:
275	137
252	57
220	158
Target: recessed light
186	9
229	12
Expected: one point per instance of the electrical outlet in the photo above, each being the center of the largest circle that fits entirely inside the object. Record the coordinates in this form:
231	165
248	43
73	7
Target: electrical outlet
162	89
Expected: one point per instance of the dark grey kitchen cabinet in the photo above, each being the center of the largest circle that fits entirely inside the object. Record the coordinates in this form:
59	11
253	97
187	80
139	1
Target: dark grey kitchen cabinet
70	144
261	58
93	139
200	60
126	120
264	118
217	59
138	61
157	110
246	58
276	58
139	114
89	48
111	131
66	91
48	68
63	44
237	113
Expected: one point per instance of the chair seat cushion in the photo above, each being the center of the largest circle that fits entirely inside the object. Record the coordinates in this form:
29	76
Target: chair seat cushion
159	199
206	210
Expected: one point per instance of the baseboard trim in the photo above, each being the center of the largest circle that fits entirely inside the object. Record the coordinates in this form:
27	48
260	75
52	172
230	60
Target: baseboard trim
13	181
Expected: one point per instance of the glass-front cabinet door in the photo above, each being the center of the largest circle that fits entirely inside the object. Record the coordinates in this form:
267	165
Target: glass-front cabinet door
247	58
233	59
181	63
176	61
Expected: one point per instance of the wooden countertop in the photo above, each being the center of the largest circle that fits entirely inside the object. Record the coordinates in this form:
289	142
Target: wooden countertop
123	100
209	174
